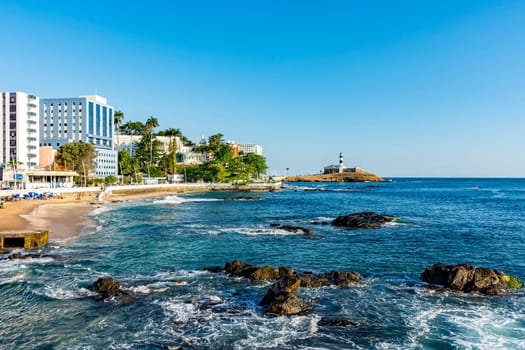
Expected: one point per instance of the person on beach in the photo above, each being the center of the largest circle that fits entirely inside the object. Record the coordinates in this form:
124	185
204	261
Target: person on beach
2	203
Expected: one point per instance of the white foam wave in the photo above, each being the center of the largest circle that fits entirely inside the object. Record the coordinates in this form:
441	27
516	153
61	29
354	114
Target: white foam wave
60	293
179	200
471	325
254	231
12	279
158	287
100	210
324	218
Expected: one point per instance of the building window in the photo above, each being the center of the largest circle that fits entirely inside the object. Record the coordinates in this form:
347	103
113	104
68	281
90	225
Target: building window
90	117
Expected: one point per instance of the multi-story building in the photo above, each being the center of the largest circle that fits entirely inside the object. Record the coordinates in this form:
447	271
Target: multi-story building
19	126
245	148
185	154
86	119
129	143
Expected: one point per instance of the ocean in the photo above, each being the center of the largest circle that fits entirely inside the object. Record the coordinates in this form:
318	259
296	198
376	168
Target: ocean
159	247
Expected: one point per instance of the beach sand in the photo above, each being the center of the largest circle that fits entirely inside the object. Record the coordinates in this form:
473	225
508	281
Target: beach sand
63	218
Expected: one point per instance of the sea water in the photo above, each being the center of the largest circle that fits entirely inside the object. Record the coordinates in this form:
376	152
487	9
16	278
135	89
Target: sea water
159	247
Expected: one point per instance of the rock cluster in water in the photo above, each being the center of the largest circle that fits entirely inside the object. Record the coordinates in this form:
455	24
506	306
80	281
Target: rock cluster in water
467	278
362	220
282	298
294	229
108	287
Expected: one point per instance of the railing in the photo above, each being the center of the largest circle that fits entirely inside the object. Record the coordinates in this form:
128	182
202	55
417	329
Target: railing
59	190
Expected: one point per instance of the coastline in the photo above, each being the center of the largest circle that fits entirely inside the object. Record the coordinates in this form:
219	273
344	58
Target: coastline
63	218
66	217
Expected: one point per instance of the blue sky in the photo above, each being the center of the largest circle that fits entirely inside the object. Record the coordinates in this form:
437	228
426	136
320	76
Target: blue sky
402	88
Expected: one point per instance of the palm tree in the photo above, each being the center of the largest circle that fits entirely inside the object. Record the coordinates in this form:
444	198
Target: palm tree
148	130
118	117
172	132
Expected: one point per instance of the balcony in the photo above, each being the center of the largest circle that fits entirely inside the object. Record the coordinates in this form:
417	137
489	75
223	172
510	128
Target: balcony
31	97
31	130
31	147
31	105
31	114
31	121
31	139
31	155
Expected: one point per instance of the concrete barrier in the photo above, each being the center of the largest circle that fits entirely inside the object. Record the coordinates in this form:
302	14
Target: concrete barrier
26	240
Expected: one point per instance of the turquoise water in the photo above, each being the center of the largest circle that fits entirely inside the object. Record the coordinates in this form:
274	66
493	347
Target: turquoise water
159	247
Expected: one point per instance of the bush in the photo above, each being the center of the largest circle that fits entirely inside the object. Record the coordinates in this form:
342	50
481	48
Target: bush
110	179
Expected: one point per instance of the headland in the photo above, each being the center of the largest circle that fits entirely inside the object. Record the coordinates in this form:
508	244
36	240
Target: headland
360	176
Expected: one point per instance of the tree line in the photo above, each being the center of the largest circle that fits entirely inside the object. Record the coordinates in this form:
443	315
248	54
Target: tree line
149	159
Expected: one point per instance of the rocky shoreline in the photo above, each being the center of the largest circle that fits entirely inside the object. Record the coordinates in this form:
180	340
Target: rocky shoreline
343	177
283	299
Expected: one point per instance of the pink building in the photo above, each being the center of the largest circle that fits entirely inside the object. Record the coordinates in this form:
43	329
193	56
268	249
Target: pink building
47	157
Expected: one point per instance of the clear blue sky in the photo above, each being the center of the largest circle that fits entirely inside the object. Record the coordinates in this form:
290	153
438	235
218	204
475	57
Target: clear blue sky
402	88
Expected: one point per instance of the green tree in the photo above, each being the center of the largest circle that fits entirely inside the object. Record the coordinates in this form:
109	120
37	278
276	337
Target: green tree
170	160
79	157
256	164
148	150
118	117
126	166
110	179
216	149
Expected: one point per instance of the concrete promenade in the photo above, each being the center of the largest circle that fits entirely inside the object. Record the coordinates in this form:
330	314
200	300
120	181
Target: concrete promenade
116	191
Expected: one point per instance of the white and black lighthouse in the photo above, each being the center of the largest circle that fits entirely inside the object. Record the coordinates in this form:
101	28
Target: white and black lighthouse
341	166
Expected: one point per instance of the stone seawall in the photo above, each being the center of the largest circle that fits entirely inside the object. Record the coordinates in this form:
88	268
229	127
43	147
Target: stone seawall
117	191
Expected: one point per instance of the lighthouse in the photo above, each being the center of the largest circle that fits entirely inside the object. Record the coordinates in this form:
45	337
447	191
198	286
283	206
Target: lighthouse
341	166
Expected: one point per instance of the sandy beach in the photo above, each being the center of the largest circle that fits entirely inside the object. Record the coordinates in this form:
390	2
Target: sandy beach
63	218
66	217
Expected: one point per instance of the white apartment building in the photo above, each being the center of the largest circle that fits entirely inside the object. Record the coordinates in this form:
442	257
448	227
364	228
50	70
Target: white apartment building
19	126
129	143
86	119
185	154
246	148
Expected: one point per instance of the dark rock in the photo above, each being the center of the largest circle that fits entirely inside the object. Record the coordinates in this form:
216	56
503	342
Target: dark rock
275	225
334	278
341	278
241	199
282	299
265	273
325	322
213	269
239	268
295	229
362	220
17	256
289	305
436	274
314	238
466	278
108	287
